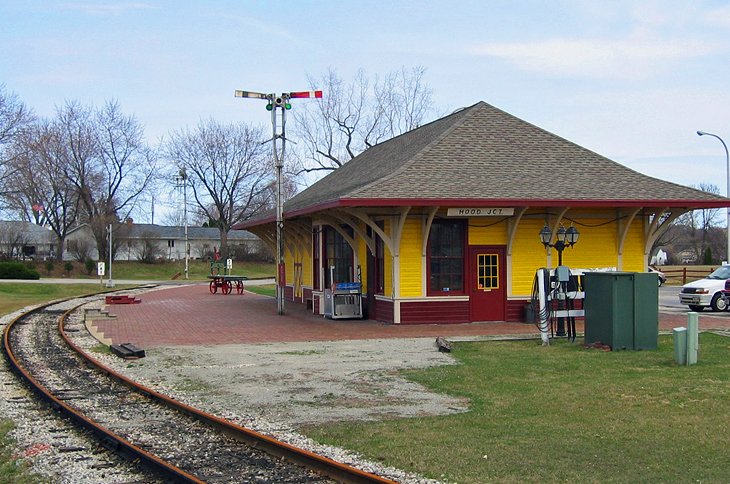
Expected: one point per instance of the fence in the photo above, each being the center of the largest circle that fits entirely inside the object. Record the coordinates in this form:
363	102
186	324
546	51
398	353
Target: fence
683	274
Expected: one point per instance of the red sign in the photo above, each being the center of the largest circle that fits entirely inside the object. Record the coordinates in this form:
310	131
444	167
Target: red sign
282	275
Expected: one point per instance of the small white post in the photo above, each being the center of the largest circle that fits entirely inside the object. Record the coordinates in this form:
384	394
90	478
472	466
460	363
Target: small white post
543	324
680	345
693	338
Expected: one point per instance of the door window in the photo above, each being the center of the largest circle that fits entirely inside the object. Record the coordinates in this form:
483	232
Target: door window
487	272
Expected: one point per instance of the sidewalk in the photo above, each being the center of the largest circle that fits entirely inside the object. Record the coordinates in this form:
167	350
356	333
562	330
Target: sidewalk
190	315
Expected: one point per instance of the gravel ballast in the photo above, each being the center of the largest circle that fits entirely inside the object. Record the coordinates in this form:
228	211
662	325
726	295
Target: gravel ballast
271	388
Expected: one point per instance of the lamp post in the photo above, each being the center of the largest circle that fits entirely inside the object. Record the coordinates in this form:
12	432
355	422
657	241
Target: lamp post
727	163
182	181
564	238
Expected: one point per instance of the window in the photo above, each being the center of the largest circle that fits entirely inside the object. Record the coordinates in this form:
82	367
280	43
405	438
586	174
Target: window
338	254
379	265
376	274
170	243
446	257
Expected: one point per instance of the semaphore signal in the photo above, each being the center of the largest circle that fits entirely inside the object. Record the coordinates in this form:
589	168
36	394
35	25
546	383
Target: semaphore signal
279	101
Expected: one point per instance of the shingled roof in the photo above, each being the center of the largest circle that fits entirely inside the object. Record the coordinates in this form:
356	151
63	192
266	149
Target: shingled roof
481	155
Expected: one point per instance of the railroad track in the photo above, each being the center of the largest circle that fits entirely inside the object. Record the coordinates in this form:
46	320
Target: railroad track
173	441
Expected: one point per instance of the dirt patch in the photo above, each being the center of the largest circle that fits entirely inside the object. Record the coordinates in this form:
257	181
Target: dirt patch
303	383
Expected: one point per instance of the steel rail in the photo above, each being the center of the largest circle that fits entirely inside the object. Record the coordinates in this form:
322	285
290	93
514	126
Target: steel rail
108	439
320	464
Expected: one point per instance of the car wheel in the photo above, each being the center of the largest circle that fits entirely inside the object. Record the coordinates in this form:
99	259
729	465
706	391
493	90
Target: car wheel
718	303
697	309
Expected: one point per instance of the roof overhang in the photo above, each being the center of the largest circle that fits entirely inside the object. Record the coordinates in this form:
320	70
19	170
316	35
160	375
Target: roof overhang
460	202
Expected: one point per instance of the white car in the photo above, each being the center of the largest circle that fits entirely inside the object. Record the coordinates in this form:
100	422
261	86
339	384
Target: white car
707	292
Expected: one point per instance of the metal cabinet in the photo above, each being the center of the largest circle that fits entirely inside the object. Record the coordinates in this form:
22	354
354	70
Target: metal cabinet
622	309
343	301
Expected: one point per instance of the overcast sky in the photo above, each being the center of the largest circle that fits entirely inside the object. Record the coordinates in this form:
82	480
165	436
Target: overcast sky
631	80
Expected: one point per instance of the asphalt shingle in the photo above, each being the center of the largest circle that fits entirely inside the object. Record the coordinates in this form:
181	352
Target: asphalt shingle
482	154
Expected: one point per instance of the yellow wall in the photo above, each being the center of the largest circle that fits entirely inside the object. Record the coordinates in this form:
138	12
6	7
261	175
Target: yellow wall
307	267
410	258
484	231
597	247
388	263
289	266
528	255
306	260
633	256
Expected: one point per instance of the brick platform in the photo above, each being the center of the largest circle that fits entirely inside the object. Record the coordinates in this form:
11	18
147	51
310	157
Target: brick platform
190	315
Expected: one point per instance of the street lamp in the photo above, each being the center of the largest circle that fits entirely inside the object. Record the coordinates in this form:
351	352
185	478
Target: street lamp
727	162
564	238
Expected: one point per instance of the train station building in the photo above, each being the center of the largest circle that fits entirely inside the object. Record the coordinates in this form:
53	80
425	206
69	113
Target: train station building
442	224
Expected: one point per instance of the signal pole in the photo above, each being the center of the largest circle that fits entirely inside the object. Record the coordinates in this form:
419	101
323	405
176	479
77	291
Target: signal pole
279	102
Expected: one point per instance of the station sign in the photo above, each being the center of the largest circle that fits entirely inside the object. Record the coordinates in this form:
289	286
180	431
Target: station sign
480	212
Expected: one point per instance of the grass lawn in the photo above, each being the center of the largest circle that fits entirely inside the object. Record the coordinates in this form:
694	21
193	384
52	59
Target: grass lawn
14	295
264	290
197	270
160	271
563	413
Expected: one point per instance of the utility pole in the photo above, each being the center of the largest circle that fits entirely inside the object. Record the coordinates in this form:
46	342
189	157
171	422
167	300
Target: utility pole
110	282
182	180
274	103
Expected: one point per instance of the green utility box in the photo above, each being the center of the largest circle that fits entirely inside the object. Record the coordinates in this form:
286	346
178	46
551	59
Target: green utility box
622	309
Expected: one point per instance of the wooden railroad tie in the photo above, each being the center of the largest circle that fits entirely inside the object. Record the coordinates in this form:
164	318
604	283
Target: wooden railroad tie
127	351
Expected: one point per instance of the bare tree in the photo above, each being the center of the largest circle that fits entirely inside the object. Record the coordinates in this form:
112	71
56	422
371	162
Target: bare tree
352	117
14	118
12	240
148	251
698	225
227	170
42	192
108	163
80	249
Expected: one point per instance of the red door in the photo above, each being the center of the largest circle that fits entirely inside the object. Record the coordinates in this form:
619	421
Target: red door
487	283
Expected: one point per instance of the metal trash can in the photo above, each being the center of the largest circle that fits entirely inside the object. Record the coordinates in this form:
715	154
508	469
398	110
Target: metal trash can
529	314
622	309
